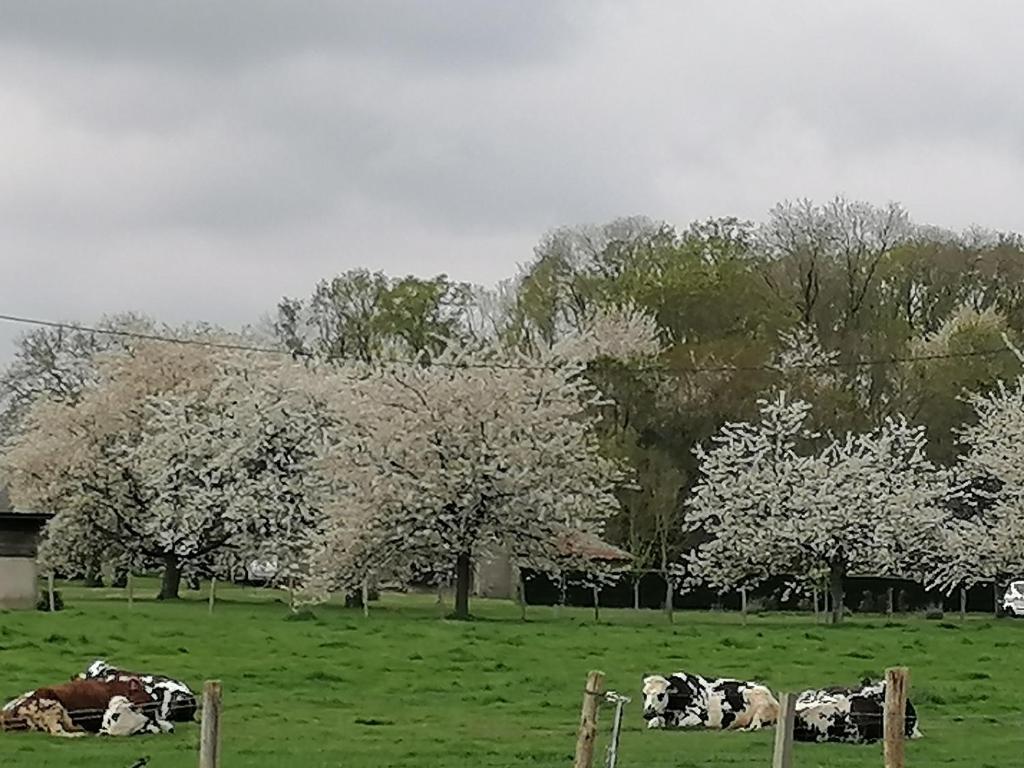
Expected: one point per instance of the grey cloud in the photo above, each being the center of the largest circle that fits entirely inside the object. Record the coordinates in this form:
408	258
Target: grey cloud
201	159
196	33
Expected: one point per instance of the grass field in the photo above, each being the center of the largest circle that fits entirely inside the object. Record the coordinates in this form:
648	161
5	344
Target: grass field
405	688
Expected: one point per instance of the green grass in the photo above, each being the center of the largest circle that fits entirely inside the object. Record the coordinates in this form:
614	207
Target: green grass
405	688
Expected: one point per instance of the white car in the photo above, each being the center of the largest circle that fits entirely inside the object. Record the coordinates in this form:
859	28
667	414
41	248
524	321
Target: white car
1013	600
262	570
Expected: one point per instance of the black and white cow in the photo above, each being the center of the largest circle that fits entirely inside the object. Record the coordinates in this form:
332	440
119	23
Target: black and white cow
683	700
125	718
173	700
849	715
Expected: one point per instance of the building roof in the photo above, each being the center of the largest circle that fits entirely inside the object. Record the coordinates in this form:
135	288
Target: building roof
578	543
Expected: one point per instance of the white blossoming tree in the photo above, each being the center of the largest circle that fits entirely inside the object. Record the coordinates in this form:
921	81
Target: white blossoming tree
986	542
439	461
177	454
778	501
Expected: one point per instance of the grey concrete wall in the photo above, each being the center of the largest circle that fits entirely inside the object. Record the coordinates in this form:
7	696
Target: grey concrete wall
18	582
494	575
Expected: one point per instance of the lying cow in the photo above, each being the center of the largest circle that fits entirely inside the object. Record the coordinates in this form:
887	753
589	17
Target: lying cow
31	714
690	701
850	715
124	718
77	707
175	701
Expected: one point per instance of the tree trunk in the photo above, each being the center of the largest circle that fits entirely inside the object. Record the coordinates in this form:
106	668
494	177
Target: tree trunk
94	576
669	595
995	598
561	595
890	605
596	590
170	584
463	576
814	602
836	590
743	604
963	604
521	593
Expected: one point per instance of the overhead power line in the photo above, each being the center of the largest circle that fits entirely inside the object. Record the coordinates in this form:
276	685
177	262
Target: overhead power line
240	347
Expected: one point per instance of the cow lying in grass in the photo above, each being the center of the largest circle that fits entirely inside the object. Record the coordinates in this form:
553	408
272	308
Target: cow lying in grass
849	715
683	700
83	706
175	701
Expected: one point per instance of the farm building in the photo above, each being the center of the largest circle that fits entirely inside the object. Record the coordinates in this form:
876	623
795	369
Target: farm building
496	577
19	536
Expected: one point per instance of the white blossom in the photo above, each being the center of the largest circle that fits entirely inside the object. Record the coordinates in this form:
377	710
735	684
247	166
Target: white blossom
776	500
436	462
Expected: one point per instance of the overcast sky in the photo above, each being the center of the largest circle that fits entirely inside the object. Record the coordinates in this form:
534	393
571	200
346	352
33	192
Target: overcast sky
198	160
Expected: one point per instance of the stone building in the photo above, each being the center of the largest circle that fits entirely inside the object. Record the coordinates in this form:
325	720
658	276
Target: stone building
19	536
496	576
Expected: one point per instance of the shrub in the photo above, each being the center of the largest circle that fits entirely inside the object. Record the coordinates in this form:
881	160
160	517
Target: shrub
43	604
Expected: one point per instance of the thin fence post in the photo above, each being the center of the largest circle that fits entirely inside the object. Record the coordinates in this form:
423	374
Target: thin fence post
890	604
592	696
209	738
49	589
896	681
782	757
213	592
364	594
963	604
611	761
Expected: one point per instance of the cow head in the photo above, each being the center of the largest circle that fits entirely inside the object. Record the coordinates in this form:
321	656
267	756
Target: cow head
97	669
656	691
122	718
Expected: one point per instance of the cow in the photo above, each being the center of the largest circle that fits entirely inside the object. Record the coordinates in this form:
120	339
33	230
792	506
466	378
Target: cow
847	715
31	714
123	718
683	700
73	708
175	701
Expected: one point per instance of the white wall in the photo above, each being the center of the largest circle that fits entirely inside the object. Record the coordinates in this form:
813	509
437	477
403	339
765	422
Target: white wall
18	582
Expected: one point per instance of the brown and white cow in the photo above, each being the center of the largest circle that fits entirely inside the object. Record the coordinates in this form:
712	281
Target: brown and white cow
173	700
74	708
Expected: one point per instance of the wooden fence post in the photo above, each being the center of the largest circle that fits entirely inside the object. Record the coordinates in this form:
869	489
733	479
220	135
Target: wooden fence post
213	592
209	738
592	696
783	755
895	713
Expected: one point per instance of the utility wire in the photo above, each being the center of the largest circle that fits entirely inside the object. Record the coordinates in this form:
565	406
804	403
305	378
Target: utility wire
239	347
